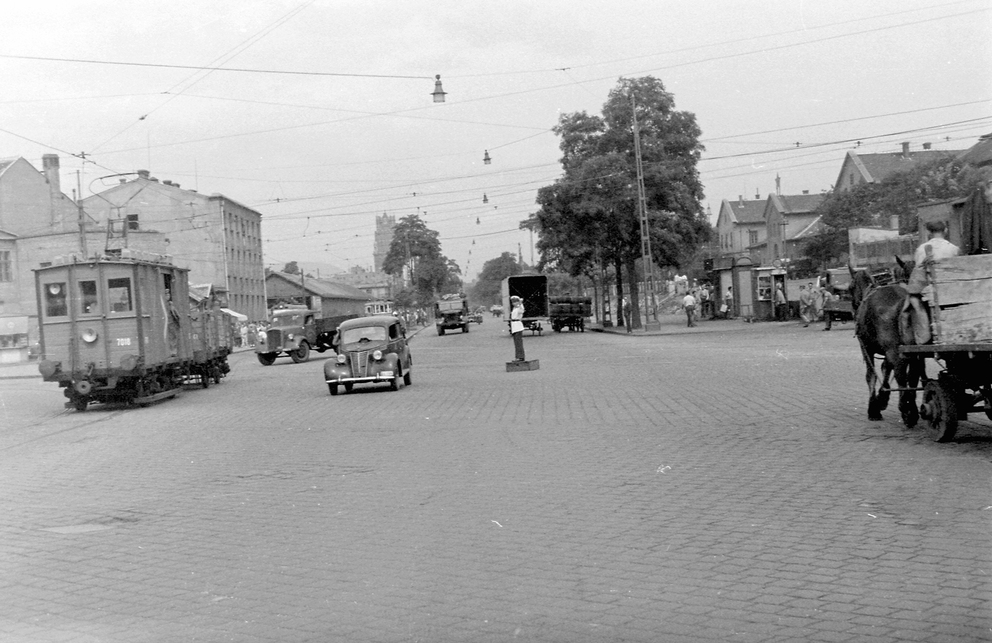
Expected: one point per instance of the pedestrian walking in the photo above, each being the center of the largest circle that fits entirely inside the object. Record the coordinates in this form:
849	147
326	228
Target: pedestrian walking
689	304
781	304
625	306
806	304
728	303
517	327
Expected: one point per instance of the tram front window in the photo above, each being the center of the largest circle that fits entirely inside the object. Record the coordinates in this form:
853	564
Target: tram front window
87	298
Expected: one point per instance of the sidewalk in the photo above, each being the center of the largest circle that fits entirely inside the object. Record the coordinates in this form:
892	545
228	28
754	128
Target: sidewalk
674	324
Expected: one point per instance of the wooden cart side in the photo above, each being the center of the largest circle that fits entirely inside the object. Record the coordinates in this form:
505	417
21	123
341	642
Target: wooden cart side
960	298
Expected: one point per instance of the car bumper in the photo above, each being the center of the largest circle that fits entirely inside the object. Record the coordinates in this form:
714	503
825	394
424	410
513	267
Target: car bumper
381	376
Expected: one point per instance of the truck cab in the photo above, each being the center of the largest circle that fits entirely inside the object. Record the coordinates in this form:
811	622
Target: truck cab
291	331
450	312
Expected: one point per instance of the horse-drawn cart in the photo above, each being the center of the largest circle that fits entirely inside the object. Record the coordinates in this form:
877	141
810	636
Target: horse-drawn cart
960	299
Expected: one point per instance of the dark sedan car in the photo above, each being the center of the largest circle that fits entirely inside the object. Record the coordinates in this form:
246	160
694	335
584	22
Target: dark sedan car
371	350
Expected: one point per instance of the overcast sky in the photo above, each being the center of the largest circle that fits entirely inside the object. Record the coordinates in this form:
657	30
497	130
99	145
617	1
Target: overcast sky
779	88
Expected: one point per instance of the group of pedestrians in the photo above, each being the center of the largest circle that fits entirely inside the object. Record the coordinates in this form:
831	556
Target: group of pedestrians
705	298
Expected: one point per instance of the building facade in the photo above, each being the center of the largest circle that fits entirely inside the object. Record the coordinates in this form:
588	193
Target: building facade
218	239
384	227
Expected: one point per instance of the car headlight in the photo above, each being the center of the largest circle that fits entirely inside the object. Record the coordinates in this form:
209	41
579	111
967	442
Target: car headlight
377	355
289	336
342	359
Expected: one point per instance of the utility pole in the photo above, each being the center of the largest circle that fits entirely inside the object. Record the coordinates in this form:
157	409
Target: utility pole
79	206
642	202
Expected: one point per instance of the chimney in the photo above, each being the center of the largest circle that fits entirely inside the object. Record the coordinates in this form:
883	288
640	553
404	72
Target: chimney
740	200
905	149
926	146
778	184
143	174
166	182
50	167
805	191
123	180
757	196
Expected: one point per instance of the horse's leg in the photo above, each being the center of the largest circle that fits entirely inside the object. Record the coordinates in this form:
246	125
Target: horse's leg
907	400
885	389
874	412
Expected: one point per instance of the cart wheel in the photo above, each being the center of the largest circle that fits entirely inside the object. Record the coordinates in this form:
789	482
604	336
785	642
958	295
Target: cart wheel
940	411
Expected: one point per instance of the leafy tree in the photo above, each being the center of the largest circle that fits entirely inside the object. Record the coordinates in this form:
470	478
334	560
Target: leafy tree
416	249
291	268
487	286
589	218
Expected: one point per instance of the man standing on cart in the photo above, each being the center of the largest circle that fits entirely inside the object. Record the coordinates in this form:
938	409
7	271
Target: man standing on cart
940	248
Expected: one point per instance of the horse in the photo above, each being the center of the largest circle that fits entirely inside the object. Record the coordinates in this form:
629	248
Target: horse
881	328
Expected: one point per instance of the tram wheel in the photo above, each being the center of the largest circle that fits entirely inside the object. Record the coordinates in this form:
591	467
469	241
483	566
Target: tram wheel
940	410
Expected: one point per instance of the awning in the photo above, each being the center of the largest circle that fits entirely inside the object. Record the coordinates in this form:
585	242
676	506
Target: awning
236	315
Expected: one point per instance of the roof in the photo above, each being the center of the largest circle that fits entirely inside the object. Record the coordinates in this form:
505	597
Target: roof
796	203
814	228
980	153
322	287
5	163
747	211
370	320
877	167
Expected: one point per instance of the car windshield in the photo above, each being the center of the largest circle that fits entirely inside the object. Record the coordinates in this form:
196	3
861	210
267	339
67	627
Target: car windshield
363	334
293	319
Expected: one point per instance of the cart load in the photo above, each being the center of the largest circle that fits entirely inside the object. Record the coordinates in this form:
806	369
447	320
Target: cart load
569	312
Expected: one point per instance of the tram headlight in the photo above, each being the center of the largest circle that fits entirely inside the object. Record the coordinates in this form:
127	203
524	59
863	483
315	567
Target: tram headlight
89	336
129	362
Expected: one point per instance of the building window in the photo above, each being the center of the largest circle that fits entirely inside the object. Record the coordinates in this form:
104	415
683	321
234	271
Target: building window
752	237
6	273
132	222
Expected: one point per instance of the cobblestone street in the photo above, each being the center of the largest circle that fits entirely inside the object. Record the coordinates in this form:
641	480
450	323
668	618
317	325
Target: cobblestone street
720	483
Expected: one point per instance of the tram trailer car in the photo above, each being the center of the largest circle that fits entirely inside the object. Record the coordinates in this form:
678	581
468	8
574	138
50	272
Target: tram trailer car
122	329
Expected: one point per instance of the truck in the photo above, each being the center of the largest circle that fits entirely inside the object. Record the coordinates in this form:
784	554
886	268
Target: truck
533	290
450	312
569	312
294	331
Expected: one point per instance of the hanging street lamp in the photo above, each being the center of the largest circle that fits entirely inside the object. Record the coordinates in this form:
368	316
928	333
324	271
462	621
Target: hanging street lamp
438	93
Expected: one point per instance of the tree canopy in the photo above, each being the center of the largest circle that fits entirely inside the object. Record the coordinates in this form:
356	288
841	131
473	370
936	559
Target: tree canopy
416	249
589	217
494	271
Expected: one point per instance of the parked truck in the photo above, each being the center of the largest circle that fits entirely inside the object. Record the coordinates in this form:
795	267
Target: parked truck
533	290
569	312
